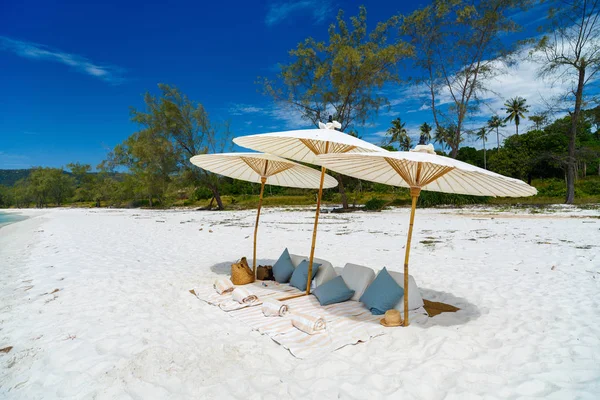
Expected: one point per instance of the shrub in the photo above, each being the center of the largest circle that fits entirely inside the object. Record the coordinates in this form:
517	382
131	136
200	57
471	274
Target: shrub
202	193
375	204
432	199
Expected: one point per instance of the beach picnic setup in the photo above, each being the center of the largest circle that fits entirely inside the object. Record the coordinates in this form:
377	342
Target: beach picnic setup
305	303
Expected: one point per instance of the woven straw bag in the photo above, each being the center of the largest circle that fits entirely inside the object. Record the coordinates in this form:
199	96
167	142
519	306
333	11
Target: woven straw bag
241	274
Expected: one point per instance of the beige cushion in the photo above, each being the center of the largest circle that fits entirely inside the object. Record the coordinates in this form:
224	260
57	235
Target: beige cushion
414	295
357	278
325	272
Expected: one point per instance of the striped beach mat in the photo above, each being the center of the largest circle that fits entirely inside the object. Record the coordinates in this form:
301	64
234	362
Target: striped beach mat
262	291
347	323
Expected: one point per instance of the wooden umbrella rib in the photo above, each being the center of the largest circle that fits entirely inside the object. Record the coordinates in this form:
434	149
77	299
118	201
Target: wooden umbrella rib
438	174
276	167
400	168
485	188
301	148
255	165
510	186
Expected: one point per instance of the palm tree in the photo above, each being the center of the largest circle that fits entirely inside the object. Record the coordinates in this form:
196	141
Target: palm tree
516	109
495	123
481	134
441	137
425	132
399	134
405	143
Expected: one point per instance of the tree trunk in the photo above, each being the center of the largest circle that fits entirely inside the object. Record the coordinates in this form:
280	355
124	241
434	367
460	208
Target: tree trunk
342	190
574	120
150	201
484	156
212	200
517	126
498	139
454	145
217	196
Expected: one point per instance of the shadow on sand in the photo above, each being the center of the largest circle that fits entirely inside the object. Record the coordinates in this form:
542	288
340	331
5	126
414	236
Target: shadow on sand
468	311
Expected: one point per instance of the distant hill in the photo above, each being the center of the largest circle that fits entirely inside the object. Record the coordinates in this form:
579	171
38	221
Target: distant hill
9	177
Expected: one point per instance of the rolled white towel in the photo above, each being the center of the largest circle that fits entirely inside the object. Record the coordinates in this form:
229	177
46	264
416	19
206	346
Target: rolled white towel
243	296
223	285
274	308
308	323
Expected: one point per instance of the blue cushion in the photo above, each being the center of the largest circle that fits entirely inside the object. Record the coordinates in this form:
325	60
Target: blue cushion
382	294
283	268
333	291
300	275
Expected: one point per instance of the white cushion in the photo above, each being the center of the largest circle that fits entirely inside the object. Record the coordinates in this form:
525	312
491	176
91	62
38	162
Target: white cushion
357	278
325	272
338	270
414	295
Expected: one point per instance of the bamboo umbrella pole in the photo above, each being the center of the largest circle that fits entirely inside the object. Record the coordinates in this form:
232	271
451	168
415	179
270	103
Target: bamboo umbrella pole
263	180
314	236
414	193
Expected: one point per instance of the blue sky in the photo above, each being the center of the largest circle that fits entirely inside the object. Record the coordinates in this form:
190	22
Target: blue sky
71	70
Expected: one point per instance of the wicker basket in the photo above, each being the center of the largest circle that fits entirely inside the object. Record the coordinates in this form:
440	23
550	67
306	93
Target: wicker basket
241	274
264	273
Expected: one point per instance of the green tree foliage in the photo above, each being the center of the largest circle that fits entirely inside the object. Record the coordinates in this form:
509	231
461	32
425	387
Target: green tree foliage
340	76
151	159
42	187
539	120
84	181
458	47
516	109
571	53
471	155
174	129
544	153
187	126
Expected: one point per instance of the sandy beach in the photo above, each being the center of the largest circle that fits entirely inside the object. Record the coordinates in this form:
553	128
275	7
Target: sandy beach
95	304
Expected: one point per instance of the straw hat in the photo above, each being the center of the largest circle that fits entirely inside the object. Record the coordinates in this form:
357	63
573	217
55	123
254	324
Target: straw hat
391	318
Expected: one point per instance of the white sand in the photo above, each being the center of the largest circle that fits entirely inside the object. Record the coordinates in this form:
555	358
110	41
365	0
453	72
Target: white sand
122	324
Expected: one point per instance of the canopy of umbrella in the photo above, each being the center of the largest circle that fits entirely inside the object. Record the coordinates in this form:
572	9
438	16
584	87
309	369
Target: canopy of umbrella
263	169
422	169
306	146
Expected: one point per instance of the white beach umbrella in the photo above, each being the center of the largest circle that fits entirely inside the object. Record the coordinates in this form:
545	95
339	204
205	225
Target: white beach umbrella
306	145
262	168
422	169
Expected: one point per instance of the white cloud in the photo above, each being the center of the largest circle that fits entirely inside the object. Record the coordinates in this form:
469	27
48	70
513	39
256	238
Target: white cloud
318	9
242	109
285	115
81	64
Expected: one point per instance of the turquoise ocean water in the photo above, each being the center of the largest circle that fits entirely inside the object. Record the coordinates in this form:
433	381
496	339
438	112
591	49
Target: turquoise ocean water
9	218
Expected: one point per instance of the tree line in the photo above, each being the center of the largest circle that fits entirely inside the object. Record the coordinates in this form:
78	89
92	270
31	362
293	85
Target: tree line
452	50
